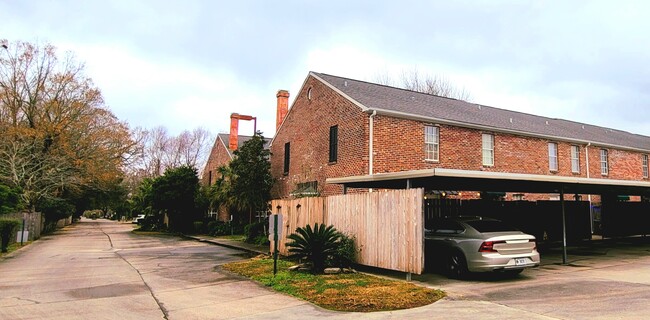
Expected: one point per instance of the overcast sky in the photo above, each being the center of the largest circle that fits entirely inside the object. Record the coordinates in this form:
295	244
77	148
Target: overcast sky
185	64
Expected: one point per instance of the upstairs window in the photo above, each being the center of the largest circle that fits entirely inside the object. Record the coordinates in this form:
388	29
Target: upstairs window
287	156
575	159
488	149
552	156
645	166
604	167
431	143
334	143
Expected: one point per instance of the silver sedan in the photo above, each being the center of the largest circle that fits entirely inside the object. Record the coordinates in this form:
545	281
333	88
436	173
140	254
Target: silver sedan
477	244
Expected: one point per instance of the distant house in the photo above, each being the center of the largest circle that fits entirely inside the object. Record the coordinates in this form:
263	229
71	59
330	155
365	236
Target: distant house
221	154
342	132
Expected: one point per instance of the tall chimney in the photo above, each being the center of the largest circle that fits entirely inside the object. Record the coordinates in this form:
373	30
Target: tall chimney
234	131
283	107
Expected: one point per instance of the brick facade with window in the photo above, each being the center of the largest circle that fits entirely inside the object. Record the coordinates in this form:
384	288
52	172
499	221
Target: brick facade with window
400	143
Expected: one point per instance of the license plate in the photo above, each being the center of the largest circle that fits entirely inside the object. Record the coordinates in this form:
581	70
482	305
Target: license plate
521	261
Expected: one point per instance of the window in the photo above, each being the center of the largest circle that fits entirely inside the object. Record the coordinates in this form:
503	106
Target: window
575	159
287	156
645	166
603	162
552	156
210	178
431	143
334	143
488	149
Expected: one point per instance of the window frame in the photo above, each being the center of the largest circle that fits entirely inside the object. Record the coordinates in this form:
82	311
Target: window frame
334	144
575	159
553	164
489	150
604	162
644	165
431	143
287	157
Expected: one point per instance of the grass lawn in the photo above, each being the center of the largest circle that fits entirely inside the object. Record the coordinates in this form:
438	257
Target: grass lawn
342	292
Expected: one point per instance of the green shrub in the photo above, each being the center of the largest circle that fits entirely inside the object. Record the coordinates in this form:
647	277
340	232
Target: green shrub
7	228
317	245
254	230
346	252
218	228
198	227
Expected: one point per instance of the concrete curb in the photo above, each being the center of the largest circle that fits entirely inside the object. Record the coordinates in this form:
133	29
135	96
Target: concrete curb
218	243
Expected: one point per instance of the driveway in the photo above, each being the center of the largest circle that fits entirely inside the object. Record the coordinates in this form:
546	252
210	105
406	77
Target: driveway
603	280
99	269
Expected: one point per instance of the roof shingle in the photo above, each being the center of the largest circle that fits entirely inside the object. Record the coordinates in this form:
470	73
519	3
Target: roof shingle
381	97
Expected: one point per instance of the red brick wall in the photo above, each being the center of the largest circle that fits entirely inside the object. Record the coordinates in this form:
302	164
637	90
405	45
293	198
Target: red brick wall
219	156
399	146
307	129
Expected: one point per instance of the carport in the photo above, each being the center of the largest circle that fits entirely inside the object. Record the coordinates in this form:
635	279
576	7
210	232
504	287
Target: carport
466	180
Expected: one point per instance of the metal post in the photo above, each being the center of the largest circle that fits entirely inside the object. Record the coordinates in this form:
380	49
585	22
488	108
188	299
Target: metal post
22	232
275	242
564	253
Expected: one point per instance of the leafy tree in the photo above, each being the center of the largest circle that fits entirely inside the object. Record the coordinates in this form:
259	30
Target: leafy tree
175	192
56	134
54	209
317	245
250	180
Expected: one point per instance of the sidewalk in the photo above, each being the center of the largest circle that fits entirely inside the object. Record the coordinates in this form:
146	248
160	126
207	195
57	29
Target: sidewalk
233	244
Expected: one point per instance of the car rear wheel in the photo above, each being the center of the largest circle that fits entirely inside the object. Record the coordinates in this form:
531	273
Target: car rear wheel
456	265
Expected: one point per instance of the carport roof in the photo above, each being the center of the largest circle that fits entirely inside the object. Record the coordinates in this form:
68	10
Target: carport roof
452	179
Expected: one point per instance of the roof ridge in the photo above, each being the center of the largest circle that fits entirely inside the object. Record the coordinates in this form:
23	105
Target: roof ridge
392	87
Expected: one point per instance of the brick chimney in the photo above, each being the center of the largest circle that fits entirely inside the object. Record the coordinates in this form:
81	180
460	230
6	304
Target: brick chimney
283	107
234	131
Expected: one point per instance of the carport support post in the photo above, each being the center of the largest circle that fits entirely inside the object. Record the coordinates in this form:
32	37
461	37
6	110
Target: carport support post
564	254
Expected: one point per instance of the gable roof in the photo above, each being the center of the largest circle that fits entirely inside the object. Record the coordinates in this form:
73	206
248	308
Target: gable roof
426	107
225	139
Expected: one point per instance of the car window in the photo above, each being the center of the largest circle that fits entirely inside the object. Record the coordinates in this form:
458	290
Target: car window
490	226
447	227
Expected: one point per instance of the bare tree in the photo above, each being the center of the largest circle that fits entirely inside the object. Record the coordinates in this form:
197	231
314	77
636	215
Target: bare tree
159	151
434	85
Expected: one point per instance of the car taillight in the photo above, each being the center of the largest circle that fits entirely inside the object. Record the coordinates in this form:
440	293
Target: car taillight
534	244
488	246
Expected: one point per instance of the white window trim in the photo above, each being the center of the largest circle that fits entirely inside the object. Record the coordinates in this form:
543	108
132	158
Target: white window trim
575	159
644	159
490	150
604	162
434	144
552	157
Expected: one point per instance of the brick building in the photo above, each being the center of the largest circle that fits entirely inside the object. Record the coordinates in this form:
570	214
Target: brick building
221	154
339	127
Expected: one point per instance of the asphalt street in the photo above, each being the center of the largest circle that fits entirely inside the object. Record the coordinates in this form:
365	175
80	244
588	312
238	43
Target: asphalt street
99	269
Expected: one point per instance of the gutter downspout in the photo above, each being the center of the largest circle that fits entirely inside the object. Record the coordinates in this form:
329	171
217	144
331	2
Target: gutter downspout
591	212
371	157
370	142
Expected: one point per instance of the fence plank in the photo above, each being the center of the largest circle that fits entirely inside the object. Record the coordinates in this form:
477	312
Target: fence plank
388	225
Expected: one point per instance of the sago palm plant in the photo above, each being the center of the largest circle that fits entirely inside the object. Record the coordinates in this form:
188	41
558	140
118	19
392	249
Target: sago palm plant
315	245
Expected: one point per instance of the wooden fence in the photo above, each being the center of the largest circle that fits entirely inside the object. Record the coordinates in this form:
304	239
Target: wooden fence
387	225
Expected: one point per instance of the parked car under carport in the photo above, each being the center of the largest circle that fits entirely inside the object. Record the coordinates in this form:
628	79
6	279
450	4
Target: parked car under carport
474	244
